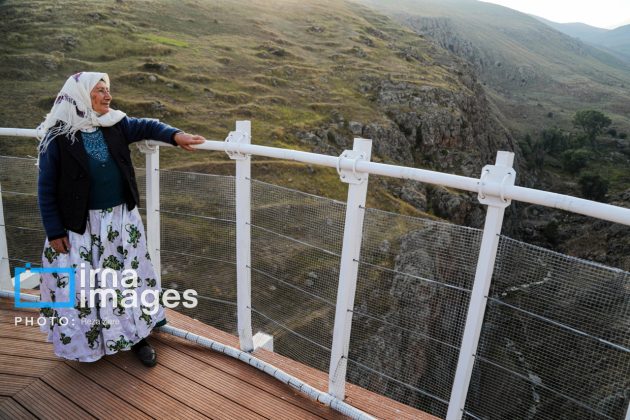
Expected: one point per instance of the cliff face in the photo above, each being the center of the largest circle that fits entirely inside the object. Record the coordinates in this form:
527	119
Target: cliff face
494	67
551	335
438	128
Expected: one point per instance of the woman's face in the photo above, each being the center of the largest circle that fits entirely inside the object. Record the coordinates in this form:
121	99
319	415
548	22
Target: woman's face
100	98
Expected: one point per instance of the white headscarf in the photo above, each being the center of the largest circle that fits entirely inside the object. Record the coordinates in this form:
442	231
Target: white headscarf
73	111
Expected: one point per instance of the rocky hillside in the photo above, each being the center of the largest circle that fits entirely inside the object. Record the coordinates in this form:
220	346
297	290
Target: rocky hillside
534	74
308	75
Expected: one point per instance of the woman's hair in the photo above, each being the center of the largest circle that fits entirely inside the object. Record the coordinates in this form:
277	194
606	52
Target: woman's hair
72	110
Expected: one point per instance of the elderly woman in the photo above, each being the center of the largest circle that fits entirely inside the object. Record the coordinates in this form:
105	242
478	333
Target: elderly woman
88	200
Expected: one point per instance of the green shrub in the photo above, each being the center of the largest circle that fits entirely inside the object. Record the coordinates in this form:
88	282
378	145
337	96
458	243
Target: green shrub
573	160
594	187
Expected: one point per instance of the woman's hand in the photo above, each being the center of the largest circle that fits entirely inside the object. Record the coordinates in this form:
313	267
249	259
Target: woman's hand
185	140
61	245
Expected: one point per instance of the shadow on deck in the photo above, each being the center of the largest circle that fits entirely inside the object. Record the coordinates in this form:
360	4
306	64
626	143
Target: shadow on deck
188	382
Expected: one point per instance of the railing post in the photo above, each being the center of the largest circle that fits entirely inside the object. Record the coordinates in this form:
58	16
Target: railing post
152	198
503	173
242	135
5	271
349	265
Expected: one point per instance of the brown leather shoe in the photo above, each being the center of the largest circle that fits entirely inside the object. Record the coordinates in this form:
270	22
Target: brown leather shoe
145	352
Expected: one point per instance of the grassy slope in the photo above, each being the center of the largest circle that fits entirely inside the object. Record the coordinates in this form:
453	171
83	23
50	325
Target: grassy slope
284	64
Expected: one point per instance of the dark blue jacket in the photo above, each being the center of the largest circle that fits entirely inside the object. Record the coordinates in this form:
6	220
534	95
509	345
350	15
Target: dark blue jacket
64	181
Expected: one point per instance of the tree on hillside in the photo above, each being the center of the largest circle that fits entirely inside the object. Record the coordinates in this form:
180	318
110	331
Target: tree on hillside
554	141
592	122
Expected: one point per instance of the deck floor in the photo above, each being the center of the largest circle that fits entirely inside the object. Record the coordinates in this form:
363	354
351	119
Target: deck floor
188	382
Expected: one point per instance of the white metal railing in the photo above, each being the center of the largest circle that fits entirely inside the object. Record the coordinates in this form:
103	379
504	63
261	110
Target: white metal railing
495	188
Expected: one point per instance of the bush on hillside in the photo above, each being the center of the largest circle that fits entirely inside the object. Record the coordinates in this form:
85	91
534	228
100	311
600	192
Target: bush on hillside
574	160
591	122
594	187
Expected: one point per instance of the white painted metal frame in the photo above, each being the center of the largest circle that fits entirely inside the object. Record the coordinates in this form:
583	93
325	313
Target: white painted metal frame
242	137
527	195
349	267
485	267
5	271
152	199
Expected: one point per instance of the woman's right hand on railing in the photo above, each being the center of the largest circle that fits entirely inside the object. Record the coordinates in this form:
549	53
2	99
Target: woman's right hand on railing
60	245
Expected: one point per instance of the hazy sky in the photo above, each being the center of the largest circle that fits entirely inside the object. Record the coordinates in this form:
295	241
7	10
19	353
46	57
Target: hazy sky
601	13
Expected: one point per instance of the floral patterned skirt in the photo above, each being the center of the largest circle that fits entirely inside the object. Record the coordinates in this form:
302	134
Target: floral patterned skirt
113	319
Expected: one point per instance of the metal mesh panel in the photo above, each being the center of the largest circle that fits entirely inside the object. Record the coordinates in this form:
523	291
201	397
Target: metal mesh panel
198	243
141	181
24	230
18	175
410	307
296	240
555	338
379	383
510	396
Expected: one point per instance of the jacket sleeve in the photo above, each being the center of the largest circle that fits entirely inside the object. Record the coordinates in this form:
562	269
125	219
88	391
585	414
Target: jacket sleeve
47	191
136	129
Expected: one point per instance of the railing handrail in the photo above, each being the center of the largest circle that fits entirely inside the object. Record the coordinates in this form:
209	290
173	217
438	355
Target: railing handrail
495	189
568	203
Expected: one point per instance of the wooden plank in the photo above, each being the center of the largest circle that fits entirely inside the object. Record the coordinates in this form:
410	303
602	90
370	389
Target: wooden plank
8	316
12	384
370	402
26	333
11	410
90	396
134	391
235	386
9	304
191	393
255	377
19	347
14	363
25	366
197	327
45	402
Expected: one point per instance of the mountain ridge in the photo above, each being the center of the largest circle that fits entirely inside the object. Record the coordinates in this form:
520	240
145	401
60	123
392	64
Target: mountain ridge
614	41
529	69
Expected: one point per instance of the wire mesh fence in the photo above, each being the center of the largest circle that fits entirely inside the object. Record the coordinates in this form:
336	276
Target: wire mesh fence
555	340
412	295
23	227
296	246
198	244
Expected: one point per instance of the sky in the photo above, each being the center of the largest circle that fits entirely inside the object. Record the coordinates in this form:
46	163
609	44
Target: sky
601	13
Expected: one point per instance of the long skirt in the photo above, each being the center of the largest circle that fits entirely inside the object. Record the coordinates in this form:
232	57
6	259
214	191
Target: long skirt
112	309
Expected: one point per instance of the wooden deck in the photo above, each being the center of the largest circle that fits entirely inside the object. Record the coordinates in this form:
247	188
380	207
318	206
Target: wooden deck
188	381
